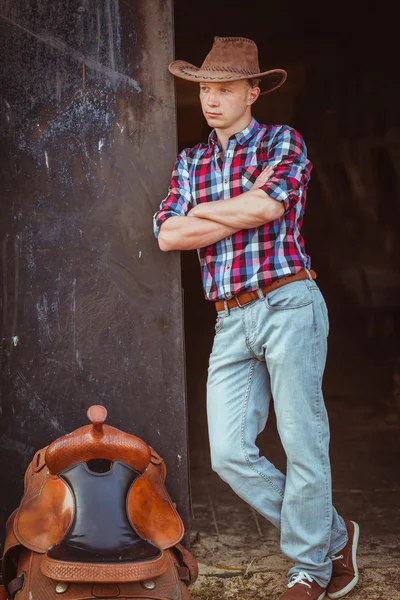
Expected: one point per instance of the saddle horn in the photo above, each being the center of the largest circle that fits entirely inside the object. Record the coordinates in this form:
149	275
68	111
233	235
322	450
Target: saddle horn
97	414
97	441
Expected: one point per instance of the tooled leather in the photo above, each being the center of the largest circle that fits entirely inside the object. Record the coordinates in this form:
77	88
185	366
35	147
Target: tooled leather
46	513
69	571
105	590
168	586
151	511
86	444
45	518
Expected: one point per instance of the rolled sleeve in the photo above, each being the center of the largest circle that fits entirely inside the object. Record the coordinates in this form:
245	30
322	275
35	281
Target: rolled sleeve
179	199
287	154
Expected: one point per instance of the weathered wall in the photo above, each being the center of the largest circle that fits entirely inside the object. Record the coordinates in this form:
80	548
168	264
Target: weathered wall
91	309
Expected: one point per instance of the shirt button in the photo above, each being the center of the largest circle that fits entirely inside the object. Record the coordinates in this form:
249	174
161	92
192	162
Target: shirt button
229	237
225	181
229	295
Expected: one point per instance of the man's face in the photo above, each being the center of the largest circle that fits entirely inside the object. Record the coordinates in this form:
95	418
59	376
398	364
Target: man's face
224	104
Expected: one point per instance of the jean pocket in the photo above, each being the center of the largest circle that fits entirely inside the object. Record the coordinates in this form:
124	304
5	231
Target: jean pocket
290	296
219	323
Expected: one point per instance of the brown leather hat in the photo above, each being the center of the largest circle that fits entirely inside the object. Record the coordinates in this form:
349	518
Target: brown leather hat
230	59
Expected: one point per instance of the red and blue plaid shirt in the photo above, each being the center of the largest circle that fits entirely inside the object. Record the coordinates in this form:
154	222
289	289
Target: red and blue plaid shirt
251	258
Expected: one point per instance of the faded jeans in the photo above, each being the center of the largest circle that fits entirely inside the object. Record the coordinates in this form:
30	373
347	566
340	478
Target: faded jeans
275	347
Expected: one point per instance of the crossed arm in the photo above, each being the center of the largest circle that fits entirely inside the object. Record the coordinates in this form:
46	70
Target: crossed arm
211	222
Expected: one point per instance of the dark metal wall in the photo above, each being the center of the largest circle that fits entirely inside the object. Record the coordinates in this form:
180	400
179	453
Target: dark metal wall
91	309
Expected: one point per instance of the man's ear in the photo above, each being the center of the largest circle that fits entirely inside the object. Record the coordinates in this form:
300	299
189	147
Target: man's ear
254	93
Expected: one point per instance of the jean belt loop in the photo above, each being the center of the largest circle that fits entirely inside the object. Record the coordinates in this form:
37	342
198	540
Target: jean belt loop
309	274
227	311
260	295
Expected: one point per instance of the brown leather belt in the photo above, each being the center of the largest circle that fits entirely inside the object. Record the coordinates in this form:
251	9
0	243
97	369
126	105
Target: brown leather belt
247	297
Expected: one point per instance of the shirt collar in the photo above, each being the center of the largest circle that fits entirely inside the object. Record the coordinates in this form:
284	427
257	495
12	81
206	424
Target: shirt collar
241	137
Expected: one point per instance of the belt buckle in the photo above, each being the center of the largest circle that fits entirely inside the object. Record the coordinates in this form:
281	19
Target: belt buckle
237	302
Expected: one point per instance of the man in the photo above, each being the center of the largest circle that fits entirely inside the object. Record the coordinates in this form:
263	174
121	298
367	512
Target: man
243	194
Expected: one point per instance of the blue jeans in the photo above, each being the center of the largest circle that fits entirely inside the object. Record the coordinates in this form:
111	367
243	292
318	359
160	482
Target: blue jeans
275	347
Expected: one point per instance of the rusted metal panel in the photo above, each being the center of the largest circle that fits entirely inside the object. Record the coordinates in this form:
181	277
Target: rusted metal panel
92	310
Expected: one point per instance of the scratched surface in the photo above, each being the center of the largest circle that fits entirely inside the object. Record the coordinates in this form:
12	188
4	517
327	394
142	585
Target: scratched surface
91	309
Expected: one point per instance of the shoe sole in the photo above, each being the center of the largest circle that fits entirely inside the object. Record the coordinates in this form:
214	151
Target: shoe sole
355	579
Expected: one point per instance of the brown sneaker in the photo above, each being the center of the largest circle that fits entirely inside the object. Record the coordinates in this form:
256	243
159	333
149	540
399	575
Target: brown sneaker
345	571
303	587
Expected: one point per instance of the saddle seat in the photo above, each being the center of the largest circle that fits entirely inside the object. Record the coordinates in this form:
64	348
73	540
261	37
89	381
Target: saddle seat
95	506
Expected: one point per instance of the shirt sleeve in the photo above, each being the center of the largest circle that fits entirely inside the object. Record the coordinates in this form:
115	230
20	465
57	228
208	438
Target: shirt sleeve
287	153
179	199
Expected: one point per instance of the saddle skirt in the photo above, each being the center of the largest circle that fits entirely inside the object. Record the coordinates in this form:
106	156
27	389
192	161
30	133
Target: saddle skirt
95	510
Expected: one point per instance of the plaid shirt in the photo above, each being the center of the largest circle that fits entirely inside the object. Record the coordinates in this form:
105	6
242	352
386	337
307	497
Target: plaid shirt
251	258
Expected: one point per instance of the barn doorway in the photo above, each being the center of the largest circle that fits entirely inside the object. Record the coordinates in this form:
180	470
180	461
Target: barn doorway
341	96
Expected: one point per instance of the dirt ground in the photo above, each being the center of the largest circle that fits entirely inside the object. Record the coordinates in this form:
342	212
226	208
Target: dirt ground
240	571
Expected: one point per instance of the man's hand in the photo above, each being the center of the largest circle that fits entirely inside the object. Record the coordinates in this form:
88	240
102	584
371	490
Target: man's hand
263	177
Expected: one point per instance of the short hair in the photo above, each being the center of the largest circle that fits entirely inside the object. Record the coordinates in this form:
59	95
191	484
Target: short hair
254	82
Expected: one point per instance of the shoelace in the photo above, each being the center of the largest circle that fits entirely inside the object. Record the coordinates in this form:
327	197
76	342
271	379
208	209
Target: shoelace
299	578
337	557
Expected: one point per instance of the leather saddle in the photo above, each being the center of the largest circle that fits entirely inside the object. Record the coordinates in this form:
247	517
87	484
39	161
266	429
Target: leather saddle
95	510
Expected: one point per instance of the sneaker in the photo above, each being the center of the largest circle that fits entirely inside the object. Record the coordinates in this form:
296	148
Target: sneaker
345	570
303	587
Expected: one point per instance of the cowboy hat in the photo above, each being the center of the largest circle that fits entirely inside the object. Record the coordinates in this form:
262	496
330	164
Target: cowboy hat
230	59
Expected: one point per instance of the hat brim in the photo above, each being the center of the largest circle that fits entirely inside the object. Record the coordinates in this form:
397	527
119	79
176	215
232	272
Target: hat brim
272	79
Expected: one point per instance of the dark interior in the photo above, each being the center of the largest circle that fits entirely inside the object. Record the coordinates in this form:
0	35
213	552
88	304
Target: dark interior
343	97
